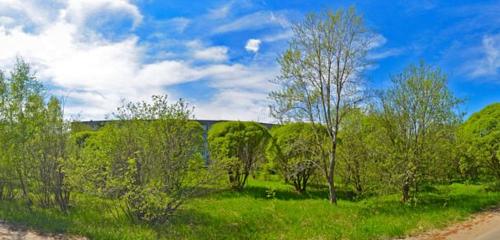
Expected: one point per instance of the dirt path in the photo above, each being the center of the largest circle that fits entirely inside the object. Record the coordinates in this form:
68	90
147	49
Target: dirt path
482	226
9	232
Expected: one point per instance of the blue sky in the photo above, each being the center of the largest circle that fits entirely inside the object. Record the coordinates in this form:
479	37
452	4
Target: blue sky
220	55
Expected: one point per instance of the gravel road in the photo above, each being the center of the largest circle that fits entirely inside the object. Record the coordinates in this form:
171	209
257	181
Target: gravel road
9	232
482	226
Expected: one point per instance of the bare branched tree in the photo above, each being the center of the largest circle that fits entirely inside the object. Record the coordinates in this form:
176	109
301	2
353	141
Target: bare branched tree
320	76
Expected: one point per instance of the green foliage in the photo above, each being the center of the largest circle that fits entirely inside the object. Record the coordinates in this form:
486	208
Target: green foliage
494	186
150	158
480	144
361	152
80	138
319	79
295	152
238	148
80	127
92	161
34	138
419	118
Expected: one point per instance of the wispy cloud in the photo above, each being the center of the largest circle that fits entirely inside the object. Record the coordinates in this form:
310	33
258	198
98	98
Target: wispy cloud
253	21
221	11
179	24
419	5
391	52
283	35
377	40
378	50
488	63
212	54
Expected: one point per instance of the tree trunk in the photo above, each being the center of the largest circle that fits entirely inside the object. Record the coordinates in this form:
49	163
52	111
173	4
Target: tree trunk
333	195
359	188
331	178
242	184
406	191
304	182
24	189
296	184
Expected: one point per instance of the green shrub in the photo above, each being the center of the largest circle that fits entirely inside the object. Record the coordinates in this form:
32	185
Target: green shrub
237	148
494	186
293	152
150	158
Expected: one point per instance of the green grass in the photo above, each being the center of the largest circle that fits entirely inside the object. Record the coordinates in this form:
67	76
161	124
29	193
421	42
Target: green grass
252	215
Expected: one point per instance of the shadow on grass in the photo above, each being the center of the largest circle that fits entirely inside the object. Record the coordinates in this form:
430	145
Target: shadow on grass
18	215
87	219
259	192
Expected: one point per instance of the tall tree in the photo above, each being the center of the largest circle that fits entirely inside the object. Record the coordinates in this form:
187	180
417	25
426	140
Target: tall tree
419	118
22	108
56	141
320	76
33	137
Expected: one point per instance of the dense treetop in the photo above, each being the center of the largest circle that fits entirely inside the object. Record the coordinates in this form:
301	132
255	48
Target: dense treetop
485	122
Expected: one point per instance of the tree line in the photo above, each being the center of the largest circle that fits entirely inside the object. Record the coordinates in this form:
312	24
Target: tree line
331	131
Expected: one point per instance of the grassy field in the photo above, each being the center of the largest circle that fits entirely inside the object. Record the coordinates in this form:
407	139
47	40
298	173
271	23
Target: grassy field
255	214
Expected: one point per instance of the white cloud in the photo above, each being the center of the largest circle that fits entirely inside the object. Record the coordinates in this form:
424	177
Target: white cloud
285	35
210	54
178	24
27	12
391	52
377	49
5	21
242	93
253	45
245	105
78	11
377	40
257	20
489	63
102	71
216	54
220	12
38	14
93	73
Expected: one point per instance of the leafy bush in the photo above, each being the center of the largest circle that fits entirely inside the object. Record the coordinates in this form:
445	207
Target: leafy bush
150	157
33	140
237	148
494	186
293	151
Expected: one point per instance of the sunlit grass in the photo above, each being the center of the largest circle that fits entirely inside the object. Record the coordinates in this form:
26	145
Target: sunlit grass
255	214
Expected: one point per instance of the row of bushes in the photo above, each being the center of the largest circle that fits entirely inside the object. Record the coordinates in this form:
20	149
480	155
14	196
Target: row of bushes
367	165
150	158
